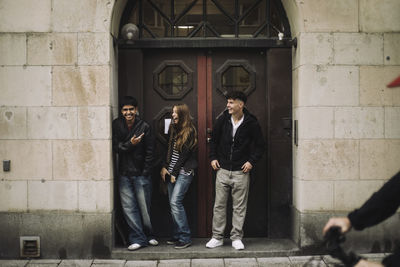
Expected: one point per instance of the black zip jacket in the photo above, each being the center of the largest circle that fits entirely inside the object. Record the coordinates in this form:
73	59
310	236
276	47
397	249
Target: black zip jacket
380	206
133	160
187	157
247	144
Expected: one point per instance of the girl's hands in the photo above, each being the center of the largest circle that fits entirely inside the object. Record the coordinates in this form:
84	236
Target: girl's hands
163	172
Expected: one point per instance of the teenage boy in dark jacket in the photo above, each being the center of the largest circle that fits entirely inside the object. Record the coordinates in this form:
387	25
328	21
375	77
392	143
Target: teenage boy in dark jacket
133	142
237	144
380	206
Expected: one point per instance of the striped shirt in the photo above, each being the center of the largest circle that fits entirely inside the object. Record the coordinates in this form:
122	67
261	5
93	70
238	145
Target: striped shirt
174	159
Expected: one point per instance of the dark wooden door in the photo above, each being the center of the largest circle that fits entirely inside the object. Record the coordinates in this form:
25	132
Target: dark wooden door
161	78
245	70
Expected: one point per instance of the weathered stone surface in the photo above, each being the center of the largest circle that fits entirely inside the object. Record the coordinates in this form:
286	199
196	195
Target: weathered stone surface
391	46
379	159
239	262
314	48
52	123
328	86
327	160
94	123
82	16
108	263
379	16
300	261
13	196
75	263
82	160
62	234
358	49
207	263
52	49
315	122
313	195
174	263
95	196
373	82
13	263
13	123
141	264
81	86
273	262
355	122
29	159
12	49
93	48
25	16
392	122
52	195
25	86
352	194
330	16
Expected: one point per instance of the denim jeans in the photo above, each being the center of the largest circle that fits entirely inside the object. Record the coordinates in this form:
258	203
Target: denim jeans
176	194
135	192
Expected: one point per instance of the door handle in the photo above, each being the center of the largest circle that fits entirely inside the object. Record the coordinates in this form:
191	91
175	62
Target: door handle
208	134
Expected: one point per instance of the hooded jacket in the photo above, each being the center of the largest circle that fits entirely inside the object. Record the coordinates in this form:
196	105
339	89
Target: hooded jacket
133	160
247	145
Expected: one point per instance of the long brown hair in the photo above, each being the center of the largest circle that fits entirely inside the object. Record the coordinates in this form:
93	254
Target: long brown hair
184	129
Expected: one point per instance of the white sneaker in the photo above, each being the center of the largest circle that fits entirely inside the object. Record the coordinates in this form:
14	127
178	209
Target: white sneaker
237	244
213	243
134	246
153	242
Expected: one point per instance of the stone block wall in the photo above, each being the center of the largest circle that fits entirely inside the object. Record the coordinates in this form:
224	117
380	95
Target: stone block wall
348	120
55	113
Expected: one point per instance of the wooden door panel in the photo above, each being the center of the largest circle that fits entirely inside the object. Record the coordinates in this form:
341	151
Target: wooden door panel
256	218
280	141
155	105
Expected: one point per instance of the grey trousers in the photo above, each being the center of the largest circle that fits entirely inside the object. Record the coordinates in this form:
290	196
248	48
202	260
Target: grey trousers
237	183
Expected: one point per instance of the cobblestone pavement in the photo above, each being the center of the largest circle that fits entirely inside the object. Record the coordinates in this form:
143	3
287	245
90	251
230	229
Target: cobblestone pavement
295	261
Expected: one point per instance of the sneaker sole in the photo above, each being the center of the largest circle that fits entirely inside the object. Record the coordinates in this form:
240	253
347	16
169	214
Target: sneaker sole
219	245
185	246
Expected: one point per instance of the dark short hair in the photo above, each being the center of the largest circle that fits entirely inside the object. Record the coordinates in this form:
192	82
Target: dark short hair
237	95
128	101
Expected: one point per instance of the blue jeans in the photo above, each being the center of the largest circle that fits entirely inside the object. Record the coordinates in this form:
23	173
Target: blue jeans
176	194
135	192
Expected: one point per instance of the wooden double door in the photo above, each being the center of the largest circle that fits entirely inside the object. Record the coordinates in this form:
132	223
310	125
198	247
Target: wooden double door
161	78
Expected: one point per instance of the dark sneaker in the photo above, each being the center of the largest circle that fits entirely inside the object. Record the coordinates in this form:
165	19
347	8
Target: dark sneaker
180	244
172	241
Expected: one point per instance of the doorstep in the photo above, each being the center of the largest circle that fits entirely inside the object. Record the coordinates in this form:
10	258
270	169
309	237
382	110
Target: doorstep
254	248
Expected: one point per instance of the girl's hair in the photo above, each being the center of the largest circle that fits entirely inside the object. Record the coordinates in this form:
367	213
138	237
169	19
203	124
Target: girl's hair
184	130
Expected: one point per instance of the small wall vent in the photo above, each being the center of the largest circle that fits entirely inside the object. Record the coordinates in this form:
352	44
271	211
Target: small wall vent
29	246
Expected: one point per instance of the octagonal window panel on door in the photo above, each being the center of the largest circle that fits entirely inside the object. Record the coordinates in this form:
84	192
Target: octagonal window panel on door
236	75
172	79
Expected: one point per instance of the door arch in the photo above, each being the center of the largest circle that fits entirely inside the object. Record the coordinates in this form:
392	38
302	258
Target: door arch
277	116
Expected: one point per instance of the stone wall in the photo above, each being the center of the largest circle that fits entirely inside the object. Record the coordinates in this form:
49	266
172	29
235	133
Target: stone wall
58	94
348	120
55	112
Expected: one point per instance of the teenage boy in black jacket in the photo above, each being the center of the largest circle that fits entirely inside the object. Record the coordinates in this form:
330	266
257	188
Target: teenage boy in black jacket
380	206
133	142
237	144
